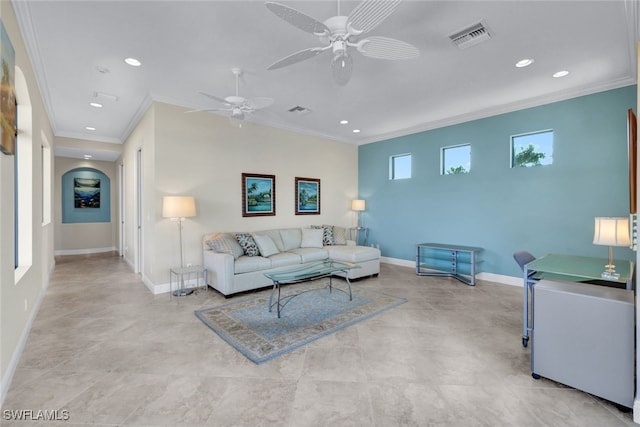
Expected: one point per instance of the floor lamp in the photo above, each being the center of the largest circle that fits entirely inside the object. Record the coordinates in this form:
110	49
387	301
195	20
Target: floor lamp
611	232
177	208
358	205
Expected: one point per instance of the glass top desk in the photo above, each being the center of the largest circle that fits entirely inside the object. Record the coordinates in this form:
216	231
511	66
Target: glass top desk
570	268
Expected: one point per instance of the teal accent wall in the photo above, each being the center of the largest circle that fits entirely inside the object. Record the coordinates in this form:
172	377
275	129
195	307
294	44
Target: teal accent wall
542	209
71	214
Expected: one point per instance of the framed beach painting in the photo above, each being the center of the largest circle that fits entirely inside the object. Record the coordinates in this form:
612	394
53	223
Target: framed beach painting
307	196
258	194
632	137
7	95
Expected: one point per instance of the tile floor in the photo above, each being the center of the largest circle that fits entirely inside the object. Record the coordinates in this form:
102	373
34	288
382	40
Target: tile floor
108	352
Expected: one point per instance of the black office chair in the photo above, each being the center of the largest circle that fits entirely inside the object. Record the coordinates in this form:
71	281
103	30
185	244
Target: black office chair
523	258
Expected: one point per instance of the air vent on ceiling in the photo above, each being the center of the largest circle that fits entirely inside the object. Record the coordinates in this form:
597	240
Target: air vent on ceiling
105	96
300	110
470	36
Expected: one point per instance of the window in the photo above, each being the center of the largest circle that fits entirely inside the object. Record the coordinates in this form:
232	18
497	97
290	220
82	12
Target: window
400	166
24	179
456	160
532	149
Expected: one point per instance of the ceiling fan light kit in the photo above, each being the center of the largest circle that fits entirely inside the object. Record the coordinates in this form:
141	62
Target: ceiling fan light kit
340	32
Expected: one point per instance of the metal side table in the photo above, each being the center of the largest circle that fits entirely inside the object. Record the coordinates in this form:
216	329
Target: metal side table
182	274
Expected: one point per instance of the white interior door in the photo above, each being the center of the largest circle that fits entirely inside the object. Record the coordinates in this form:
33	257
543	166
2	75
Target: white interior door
138	215
121	209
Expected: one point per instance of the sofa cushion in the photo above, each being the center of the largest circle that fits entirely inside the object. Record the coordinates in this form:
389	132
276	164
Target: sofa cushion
283	259
246	264
226	244
311	254
311	238
339	235
266	246
354	254
291	238
274	235
248	244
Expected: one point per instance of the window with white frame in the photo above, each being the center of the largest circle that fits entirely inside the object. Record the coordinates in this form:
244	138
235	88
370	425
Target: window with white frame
24	179
455	159
532	149
400	166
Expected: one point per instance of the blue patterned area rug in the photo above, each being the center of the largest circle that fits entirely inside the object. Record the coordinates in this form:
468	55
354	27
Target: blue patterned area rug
250	328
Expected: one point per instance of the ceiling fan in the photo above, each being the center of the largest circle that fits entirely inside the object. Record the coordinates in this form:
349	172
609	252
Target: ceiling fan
238	106
339	33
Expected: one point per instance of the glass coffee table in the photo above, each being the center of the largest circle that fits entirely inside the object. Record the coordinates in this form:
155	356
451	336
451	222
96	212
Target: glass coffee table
317	270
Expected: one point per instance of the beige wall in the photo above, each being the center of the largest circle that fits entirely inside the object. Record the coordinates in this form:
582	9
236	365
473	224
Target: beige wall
202	155
21	294
84	237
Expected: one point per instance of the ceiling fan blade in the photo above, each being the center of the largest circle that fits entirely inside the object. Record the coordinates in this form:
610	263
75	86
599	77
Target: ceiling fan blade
368	14
259	103
297	57
297	19
387	48
215	98
208	109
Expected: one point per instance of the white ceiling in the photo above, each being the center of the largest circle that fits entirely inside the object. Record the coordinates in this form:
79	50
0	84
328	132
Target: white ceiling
187	47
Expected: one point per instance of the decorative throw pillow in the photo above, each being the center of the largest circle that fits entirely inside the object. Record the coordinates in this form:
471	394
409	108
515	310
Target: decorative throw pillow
339	235
265	244
226	245
248	244
328	237
327	234
311	238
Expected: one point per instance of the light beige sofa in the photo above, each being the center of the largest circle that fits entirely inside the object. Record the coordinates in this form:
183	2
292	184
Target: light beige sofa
230	270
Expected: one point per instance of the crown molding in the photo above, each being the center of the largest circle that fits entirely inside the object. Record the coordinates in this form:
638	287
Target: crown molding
23	16
506	108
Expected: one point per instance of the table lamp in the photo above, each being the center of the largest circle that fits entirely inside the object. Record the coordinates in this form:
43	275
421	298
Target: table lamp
358	205
611	231
177	208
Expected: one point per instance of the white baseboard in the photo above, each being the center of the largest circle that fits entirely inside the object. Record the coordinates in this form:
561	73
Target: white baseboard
163	288
84	251
490	277
17	353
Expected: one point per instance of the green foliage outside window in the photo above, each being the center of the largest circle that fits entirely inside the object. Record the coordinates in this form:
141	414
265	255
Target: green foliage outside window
528	157
533	149
455	170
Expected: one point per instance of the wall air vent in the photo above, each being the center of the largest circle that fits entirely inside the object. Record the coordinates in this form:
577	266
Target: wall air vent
299	110
470	36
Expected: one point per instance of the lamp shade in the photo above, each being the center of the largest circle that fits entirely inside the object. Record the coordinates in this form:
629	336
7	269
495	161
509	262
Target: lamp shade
178	207
611	231
357	205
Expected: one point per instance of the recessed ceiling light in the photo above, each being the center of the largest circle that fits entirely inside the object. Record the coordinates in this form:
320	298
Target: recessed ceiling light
133	62
524	62
88	156
89	128
344	122
561	74
95	104
356	131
